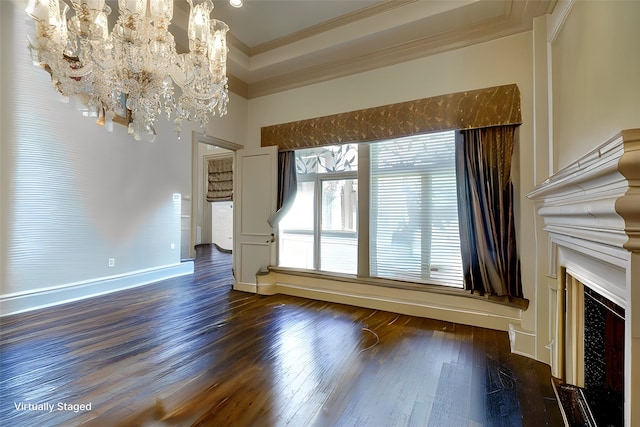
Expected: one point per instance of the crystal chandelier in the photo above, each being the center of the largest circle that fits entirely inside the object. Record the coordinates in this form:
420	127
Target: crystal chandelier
132	72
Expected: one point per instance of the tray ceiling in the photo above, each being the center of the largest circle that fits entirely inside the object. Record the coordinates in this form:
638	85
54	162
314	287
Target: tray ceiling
280	45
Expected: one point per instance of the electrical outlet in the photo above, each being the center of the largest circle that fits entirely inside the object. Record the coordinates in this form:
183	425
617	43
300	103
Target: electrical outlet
173	246
112	262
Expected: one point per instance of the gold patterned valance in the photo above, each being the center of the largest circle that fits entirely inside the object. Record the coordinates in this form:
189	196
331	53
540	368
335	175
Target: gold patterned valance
220	182
481	108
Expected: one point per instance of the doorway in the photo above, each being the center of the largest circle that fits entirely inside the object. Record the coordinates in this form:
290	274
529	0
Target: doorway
207	214
218	187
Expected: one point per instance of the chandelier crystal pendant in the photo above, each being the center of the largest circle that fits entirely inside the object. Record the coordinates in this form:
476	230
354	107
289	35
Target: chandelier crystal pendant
133	71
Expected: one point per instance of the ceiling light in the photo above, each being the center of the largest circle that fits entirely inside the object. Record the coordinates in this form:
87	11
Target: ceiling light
132	72
235	3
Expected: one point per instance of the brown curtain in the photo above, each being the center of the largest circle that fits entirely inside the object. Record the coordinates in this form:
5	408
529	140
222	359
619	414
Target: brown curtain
485	206
220	186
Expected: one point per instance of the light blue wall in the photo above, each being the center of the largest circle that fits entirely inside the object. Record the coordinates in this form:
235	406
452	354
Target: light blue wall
74	195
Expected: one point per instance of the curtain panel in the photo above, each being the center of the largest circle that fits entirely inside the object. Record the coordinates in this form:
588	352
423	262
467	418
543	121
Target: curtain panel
287	185
220	180
485	208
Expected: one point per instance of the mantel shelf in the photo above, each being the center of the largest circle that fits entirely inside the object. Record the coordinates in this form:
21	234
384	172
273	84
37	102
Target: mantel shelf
597	198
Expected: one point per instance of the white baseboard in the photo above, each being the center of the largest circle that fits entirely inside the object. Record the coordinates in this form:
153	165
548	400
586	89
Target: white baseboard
495	317
422	303
447	306
41	298
245	287
523	343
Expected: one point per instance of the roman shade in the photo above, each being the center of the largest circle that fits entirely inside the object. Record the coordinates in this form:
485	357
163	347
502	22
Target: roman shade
220	180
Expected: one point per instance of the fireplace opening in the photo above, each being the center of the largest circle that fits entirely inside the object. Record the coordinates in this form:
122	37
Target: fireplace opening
604	358
591	388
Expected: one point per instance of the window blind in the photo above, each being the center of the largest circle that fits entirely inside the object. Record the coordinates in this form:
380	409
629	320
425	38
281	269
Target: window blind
220	180
413	210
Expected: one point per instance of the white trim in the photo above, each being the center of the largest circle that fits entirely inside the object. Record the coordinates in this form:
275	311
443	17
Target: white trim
448	307
218	142
197	178
550	108
522	343
595	198
404	303
193	232
245	287
558	18
48	297
595	270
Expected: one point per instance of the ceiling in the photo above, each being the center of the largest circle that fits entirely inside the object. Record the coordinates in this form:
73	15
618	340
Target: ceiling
278	45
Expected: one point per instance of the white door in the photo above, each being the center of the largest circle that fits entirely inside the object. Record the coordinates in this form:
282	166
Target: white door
255	195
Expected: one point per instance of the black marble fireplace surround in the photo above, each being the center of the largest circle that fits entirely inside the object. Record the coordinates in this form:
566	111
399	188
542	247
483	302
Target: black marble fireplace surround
604	359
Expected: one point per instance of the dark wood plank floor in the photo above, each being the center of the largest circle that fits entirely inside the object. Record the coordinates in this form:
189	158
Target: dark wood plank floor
190	351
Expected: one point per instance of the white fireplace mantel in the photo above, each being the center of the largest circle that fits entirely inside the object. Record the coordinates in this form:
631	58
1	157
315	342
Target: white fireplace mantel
597	197
591	210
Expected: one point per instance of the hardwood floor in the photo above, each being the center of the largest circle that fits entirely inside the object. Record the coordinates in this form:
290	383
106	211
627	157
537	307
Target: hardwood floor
191	351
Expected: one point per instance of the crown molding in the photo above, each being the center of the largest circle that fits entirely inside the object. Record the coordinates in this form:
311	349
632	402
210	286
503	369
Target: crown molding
237	44
516	17
558	18
329	25
309	56
238	86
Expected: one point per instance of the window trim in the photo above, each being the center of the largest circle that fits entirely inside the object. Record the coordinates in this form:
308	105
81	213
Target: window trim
317	179
317	211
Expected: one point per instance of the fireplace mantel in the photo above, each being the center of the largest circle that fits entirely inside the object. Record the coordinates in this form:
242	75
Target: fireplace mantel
591	210
597	197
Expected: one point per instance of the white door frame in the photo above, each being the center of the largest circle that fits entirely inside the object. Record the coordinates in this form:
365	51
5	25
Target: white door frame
197	177
206	208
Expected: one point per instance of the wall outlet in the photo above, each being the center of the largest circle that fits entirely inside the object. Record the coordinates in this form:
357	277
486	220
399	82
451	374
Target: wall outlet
112	262
173	246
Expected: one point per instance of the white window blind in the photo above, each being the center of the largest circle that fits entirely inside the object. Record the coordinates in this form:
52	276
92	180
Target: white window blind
413	210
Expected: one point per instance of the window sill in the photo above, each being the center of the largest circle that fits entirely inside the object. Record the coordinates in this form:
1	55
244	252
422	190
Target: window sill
519	303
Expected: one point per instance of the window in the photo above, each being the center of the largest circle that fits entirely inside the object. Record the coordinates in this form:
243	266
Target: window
413	214
320	231
412	211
